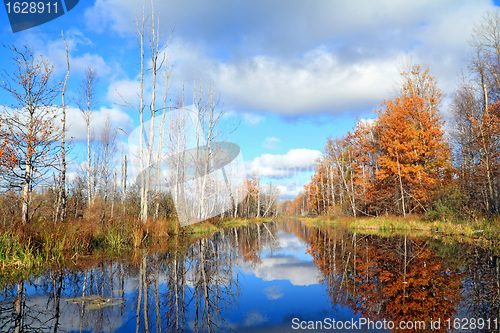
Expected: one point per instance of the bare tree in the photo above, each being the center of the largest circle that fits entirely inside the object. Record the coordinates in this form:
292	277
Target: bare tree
124	183
61	201
87	104
486	43
177	155
160	153
477	118
105	163
157	58
209	134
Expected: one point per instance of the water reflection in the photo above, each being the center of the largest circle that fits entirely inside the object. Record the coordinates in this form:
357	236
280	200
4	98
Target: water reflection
396	278
258	278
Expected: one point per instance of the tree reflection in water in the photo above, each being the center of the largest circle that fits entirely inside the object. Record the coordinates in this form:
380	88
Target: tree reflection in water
402	278
188	289
481	284
194	287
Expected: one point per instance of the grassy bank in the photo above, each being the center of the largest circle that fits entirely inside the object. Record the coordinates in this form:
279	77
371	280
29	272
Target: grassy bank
27	250
479	228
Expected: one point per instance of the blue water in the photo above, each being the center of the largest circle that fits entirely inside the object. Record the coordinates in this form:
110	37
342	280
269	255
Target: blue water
250	279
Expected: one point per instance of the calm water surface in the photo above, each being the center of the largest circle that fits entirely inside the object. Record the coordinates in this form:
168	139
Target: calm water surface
275	277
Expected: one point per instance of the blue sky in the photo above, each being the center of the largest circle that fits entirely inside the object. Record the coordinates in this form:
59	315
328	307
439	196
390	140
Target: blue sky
290	73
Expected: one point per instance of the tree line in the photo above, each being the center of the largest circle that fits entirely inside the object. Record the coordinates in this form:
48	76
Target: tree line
406	161
33	147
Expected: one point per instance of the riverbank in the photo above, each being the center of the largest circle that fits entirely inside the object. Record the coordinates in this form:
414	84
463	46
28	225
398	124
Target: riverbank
488	229
27	250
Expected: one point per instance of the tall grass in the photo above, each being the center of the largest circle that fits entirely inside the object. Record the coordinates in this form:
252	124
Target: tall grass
477	228
17	258
24	249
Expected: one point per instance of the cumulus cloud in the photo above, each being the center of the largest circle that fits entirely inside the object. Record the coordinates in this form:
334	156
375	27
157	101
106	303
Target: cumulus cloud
79	58
77	128
294	59
254	318
256	25
125	91
290	243
290	164
283	267
290	189
318	83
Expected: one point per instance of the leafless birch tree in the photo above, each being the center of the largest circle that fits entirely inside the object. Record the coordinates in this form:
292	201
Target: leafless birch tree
61	200
87	104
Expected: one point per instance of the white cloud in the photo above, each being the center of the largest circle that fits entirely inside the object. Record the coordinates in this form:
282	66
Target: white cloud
317	83
123	92
252	119
254	318
290	243
290	189
271	142
290	164
111	15
273	292
284	27
282	267
324	57
55	50
126	92
77	128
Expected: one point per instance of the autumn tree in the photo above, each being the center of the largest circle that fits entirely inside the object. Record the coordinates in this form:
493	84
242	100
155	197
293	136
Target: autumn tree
477	157
29	128
406	279
334	186
415	158
299	205
476	120
251	206
316	191
394	163
406	147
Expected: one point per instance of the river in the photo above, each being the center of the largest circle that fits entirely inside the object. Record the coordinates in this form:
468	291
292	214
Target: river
273	277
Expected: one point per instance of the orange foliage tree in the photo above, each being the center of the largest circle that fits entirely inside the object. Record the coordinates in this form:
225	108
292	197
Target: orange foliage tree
316	192
298	206
395	163
29	126
414	159
251	206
